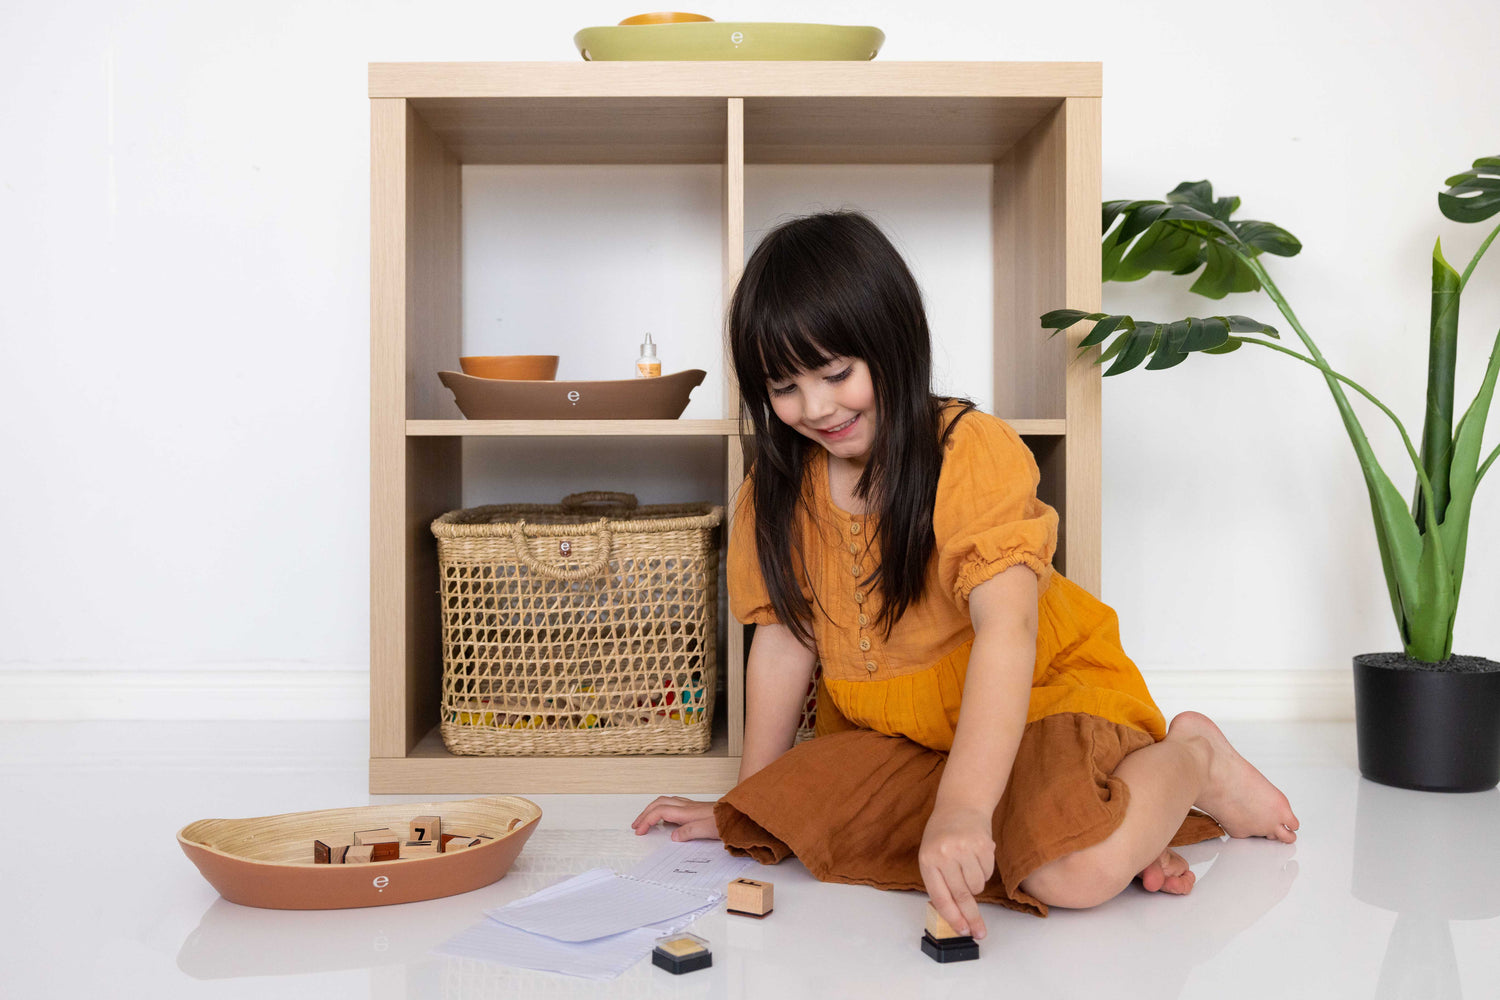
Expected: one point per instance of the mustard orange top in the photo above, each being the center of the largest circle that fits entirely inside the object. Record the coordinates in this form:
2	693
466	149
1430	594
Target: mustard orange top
987	518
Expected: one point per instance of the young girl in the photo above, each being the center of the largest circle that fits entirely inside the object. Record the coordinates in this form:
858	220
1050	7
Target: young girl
980	733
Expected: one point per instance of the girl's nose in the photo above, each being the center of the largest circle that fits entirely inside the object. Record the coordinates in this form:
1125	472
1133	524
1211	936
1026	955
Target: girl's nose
817	405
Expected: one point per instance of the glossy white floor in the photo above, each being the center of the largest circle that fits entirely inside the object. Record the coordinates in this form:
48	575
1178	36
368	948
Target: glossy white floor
1386	893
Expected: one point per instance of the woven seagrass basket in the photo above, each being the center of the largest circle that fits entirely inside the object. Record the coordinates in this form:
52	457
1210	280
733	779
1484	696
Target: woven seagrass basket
580	628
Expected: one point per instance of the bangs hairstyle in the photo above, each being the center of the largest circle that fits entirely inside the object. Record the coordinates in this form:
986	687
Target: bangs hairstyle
818	288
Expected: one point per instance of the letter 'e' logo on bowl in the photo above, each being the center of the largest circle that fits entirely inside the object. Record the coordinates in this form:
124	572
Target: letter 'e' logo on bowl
381	882
573	396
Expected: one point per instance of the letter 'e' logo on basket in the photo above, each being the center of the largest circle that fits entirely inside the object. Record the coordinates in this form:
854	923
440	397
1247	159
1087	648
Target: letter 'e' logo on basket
565	548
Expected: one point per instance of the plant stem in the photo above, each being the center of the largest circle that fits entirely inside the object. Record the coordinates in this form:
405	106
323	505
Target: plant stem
1475	259
1487	463
1351	420
1323	367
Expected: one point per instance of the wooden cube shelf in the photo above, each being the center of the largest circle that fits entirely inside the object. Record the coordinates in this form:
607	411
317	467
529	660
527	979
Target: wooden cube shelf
1038	124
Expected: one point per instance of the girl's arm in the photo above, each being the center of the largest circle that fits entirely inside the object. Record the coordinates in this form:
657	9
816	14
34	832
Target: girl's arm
776	676
957	855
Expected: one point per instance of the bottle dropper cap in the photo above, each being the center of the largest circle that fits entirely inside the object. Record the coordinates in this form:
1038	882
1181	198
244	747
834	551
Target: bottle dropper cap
648	349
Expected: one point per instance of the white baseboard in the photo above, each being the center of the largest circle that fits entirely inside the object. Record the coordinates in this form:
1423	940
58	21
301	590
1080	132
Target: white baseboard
273	693
278	693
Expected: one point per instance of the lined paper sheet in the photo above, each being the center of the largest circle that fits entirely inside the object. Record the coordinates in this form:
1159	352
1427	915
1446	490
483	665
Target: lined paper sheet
696	865
601	908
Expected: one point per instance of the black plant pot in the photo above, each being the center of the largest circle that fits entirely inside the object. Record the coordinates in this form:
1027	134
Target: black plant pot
1426	728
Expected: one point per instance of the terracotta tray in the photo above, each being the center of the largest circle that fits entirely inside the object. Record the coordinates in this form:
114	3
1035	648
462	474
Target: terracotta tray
267	860
661	398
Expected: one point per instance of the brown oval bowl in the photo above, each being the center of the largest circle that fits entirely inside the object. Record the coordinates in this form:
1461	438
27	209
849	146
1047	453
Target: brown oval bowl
665	17
267	860
532	367
661	398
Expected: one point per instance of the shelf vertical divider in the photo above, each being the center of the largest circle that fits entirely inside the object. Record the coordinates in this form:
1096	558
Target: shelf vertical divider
1083	442
415	331
734	456
1045	210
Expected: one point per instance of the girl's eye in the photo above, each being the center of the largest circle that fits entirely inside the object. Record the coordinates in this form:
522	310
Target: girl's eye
840	376
783	390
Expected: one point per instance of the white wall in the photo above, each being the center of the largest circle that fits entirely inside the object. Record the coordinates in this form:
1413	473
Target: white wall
184	321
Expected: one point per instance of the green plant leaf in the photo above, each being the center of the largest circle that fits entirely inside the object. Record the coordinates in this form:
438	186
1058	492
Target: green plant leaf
1463	474
1225	273
1442	359
1267	237
1473	195
1168	344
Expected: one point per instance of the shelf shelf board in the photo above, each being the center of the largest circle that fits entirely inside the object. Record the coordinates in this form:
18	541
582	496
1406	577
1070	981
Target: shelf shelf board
629	428
670	112
430	768
570	428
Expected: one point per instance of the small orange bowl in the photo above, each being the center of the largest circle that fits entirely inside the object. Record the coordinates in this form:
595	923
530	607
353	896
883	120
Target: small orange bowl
525	367
665	17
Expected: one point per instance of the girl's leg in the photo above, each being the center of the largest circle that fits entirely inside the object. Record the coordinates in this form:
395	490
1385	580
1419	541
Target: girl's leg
1193	766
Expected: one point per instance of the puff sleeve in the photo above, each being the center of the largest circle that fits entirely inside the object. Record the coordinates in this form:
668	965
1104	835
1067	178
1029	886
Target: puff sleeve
987	517
749	602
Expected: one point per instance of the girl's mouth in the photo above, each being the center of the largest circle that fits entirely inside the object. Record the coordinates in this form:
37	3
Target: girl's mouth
834	433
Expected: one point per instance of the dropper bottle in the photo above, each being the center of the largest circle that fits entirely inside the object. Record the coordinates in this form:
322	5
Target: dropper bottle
648	365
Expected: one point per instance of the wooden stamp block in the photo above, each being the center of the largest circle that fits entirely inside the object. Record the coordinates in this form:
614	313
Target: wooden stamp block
938	927
750	898
329	851
420	849
359	854
426	828
384	835
941	943
459	843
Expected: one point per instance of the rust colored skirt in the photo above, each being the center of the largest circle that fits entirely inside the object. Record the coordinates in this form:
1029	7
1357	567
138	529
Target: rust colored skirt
851	806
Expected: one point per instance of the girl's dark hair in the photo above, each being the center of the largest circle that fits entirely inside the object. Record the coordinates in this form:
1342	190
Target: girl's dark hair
816	288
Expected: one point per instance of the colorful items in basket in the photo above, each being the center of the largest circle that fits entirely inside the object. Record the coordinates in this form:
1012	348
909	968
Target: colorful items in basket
686	703
678	36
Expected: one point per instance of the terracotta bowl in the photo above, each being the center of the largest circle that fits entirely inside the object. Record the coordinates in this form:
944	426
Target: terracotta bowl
661	398
267	861
665	17
533	367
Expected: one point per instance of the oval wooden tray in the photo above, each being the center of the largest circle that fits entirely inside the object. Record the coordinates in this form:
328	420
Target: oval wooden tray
661	398
267	860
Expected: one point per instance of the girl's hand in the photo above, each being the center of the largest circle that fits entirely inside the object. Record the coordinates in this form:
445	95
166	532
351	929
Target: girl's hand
957	858
695	820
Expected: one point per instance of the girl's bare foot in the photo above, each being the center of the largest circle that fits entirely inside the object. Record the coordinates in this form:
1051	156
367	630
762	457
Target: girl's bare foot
1244	802
1168	873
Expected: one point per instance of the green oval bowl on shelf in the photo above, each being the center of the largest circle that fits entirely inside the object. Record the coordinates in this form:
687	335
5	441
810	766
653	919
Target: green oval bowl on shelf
714	40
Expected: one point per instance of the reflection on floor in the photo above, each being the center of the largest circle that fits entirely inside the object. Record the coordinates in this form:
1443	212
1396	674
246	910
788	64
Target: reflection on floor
1387	893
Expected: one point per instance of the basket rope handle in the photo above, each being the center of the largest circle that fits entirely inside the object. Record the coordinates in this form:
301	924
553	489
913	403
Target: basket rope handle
577	502
519	538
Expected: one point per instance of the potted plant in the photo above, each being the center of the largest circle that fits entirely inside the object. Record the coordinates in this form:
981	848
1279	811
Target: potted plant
1426	718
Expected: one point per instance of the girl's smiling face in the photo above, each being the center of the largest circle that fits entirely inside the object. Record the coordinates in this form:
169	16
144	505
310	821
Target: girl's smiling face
833	405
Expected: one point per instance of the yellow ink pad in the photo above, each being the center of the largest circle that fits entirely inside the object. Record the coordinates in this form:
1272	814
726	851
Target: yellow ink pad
679	953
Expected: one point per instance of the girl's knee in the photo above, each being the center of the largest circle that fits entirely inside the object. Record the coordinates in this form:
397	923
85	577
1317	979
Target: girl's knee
1076	881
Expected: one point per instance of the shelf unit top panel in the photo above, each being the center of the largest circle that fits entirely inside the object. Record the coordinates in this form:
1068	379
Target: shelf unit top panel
795	112
736	79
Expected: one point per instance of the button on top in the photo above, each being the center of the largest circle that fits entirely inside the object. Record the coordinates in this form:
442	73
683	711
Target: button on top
864	620
859	597
864	645
854	527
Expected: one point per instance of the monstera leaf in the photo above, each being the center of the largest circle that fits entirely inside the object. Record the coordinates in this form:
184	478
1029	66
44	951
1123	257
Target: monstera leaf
1191	229
1473	195
1168	344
